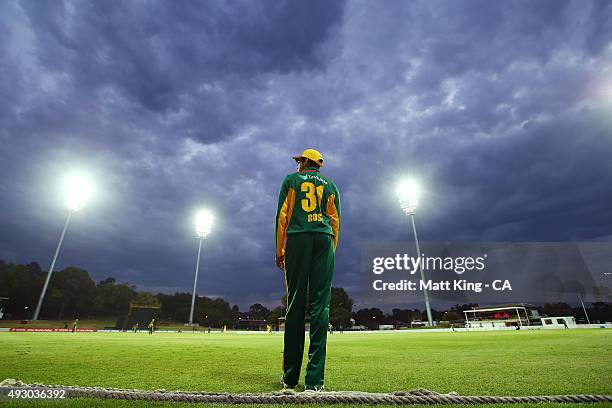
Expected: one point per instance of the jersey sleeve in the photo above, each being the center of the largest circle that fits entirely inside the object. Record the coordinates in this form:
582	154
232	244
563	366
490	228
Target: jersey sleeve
286	201
334	211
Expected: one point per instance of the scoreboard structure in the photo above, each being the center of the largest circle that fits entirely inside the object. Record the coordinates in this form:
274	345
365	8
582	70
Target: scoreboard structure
141	314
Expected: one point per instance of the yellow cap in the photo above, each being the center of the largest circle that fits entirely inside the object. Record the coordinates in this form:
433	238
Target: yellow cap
311	154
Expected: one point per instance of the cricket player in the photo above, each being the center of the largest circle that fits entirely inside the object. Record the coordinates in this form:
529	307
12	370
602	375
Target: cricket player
307	227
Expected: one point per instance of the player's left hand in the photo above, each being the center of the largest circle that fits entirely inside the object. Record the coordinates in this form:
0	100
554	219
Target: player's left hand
280	262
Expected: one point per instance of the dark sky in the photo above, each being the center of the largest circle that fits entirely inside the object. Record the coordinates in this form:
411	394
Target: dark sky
503	111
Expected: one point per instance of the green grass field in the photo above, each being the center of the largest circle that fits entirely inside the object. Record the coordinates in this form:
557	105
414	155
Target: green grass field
87	324
476	363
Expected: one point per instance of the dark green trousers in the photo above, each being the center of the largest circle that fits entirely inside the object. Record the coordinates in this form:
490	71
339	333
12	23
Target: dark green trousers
309	262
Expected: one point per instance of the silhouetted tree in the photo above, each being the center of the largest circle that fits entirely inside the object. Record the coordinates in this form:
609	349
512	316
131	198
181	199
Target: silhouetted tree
557	309
70	294
258	311
218	311
341	306
401	316
146	299
274	315
452	316
111	298
175	307
370	318
601	312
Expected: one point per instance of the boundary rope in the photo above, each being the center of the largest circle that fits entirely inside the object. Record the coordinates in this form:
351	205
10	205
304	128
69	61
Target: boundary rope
418	396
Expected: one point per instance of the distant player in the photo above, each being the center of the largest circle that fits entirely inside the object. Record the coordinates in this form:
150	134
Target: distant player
152	326
307	227
74	325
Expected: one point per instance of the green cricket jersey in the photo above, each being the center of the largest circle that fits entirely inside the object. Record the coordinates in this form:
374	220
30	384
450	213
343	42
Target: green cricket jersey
308	202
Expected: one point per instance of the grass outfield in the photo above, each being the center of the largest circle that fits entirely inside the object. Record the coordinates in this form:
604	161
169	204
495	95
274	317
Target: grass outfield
476	363
87	324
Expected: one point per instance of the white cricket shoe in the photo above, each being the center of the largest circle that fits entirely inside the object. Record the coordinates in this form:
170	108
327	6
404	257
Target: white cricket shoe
319	388
284	384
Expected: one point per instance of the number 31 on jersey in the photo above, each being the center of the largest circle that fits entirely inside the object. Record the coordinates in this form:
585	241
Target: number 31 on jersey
312	200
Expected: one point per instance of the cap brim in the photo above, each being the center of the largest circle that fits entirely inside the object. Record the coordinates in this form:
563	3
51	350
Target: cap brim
297	158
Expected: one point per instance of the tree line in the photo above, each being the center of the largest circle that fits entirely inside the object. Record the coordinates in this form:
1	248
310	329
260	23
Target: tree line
72	293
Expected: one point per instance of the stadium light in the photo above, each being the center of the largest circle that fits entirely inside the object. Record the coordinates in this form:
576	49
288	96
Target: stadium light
204	221
584	308
203	226
408	195
77	193
78	190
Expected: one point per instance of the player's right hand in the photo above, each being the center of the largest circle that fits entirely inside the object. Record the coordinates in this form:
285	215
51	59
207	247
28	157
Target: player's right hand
280	262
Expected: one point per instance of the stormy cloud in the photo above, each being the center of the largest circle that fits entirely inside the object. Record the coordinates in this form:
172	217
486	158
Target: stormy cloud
502	110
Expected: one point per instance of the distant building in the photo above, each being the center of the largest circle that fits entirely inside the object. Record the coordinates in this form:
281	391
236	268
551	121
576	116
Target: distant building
251	324
141	314
560	321
514	314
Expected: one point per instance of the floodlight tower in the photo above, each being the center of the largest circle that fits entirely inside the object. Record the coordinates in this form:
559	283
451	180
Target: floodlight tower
407	193
78	190
204	221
